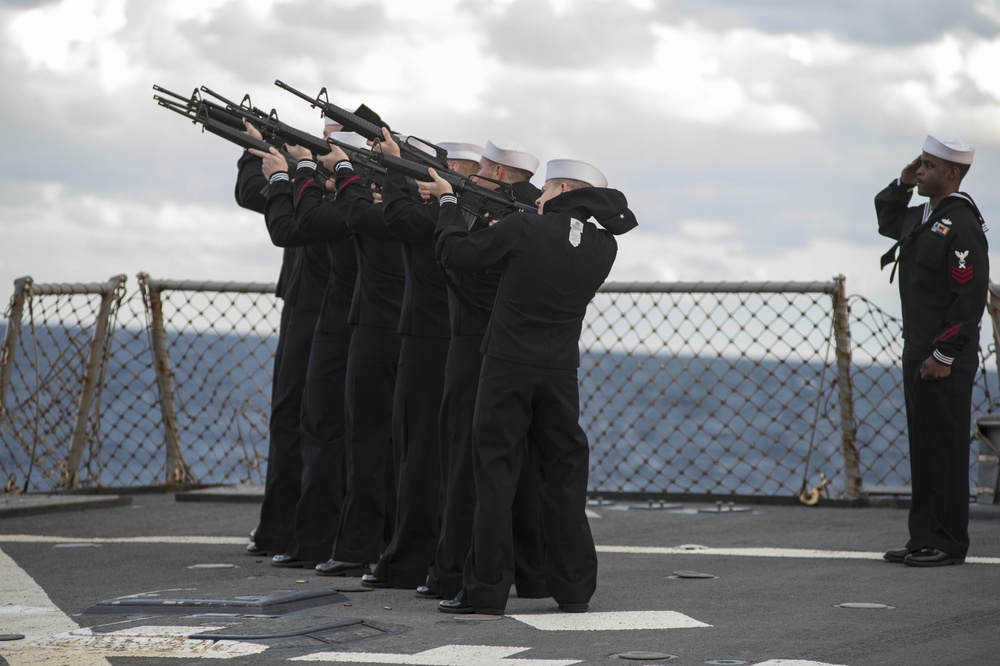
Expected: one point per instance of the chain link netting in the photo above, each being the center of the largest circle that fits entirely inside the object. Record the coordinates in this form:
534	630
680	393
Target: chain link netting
710	393
878	394
698	390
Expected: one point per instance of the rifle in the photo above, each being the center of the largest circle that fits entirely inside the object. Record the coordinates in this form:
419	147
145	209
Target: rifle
352	122
478	200
227	123
196	103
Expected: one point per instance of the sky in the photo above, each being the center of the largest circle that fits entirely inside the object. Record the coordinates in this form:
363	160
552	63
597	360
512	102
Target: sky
750	137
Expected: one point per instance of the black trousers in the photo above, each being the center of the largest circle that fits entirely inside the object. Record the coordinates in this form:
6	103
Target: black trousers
457	409
323	448
367	514
939	421
416	440
520	406
283	480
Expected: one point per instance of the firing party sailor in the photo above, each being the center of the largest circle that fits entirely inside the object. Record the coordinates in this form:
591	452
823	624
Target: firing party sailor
552	263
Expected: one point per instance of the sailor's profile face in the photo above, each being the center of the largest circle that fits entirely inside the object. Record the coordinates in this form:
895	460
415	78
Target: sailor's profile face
550	189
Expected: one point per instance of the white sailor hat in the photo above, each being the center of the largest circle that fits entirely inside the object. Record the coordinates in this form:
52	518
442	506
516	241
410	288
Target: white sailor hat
351	139
511	156
949	148
575	170
462	151
327	121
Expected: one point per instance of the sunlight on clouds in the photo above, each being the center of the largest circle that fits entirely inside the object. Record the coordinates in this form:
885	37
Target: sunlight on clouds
62	36
799	50
943	62
188	10
982	66
693	77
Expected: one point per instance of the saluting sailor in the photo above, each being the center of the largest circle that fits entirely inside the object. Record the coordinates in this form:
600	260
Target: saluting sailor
943	279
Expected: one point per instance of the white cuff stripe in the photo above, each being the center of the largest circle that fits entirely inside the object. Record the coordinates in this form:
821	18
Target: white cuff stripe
279	175
448	198
941	358
344	164
307	164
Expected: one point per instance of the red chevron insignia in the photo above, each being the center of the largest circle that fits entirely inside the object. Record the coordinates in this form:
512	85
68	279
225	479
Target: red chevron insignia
948	333
961	275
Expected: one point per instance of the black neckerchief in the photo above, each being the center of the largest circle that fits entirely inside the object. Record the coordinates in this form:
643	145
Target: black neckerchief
890	256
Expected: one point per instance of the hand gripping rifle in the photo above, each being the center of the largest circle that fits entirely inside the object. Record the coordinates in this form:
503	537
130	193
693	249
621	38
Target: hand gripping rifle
364	161
353	122
475	199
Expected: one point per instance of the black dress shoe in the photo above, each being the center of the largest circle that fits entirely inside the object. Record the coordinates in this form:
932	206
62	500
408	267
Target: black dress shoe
425	592
931	557
896	555
459	608
252	549
369	580
290	562
336	568
581	607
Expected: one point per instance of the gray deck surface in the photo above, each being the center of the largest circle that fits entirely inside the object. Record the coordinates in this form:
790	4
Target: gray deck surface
778	577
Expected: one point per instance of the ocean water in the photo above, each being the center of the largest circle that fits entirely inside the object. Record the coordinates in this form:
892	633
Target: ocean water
656	424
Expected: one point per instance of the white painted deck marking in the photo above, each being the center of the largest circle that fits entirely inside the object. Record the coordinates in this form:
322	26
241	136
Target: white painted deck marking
35	616
793	662
185	540
688	549
151	641
614	621
803	553
447	655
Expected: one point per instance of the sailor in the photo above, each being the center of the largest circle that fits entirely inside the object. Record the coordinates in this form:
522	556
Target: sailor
470	299
552	263
305	269
943	281
423	328
366	517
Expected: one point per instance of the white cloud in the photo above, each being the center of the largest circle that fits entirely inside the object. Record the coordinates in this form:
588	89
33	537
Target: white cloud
747	154
57	237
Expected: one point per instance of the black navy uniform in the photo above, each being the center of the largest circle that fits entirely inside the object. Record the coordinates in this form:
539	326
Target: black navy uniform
943	282
424	333
471	296
367	516
552	265
305	268
322	423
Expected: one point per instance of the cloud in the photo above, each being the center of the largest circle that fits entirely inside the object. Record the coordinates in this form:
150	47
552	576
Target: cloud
55	236
779	124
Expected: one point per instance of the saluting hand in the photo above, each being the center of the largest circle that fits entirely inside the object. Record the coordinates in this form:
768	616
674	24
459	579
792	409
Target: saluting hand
908	176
